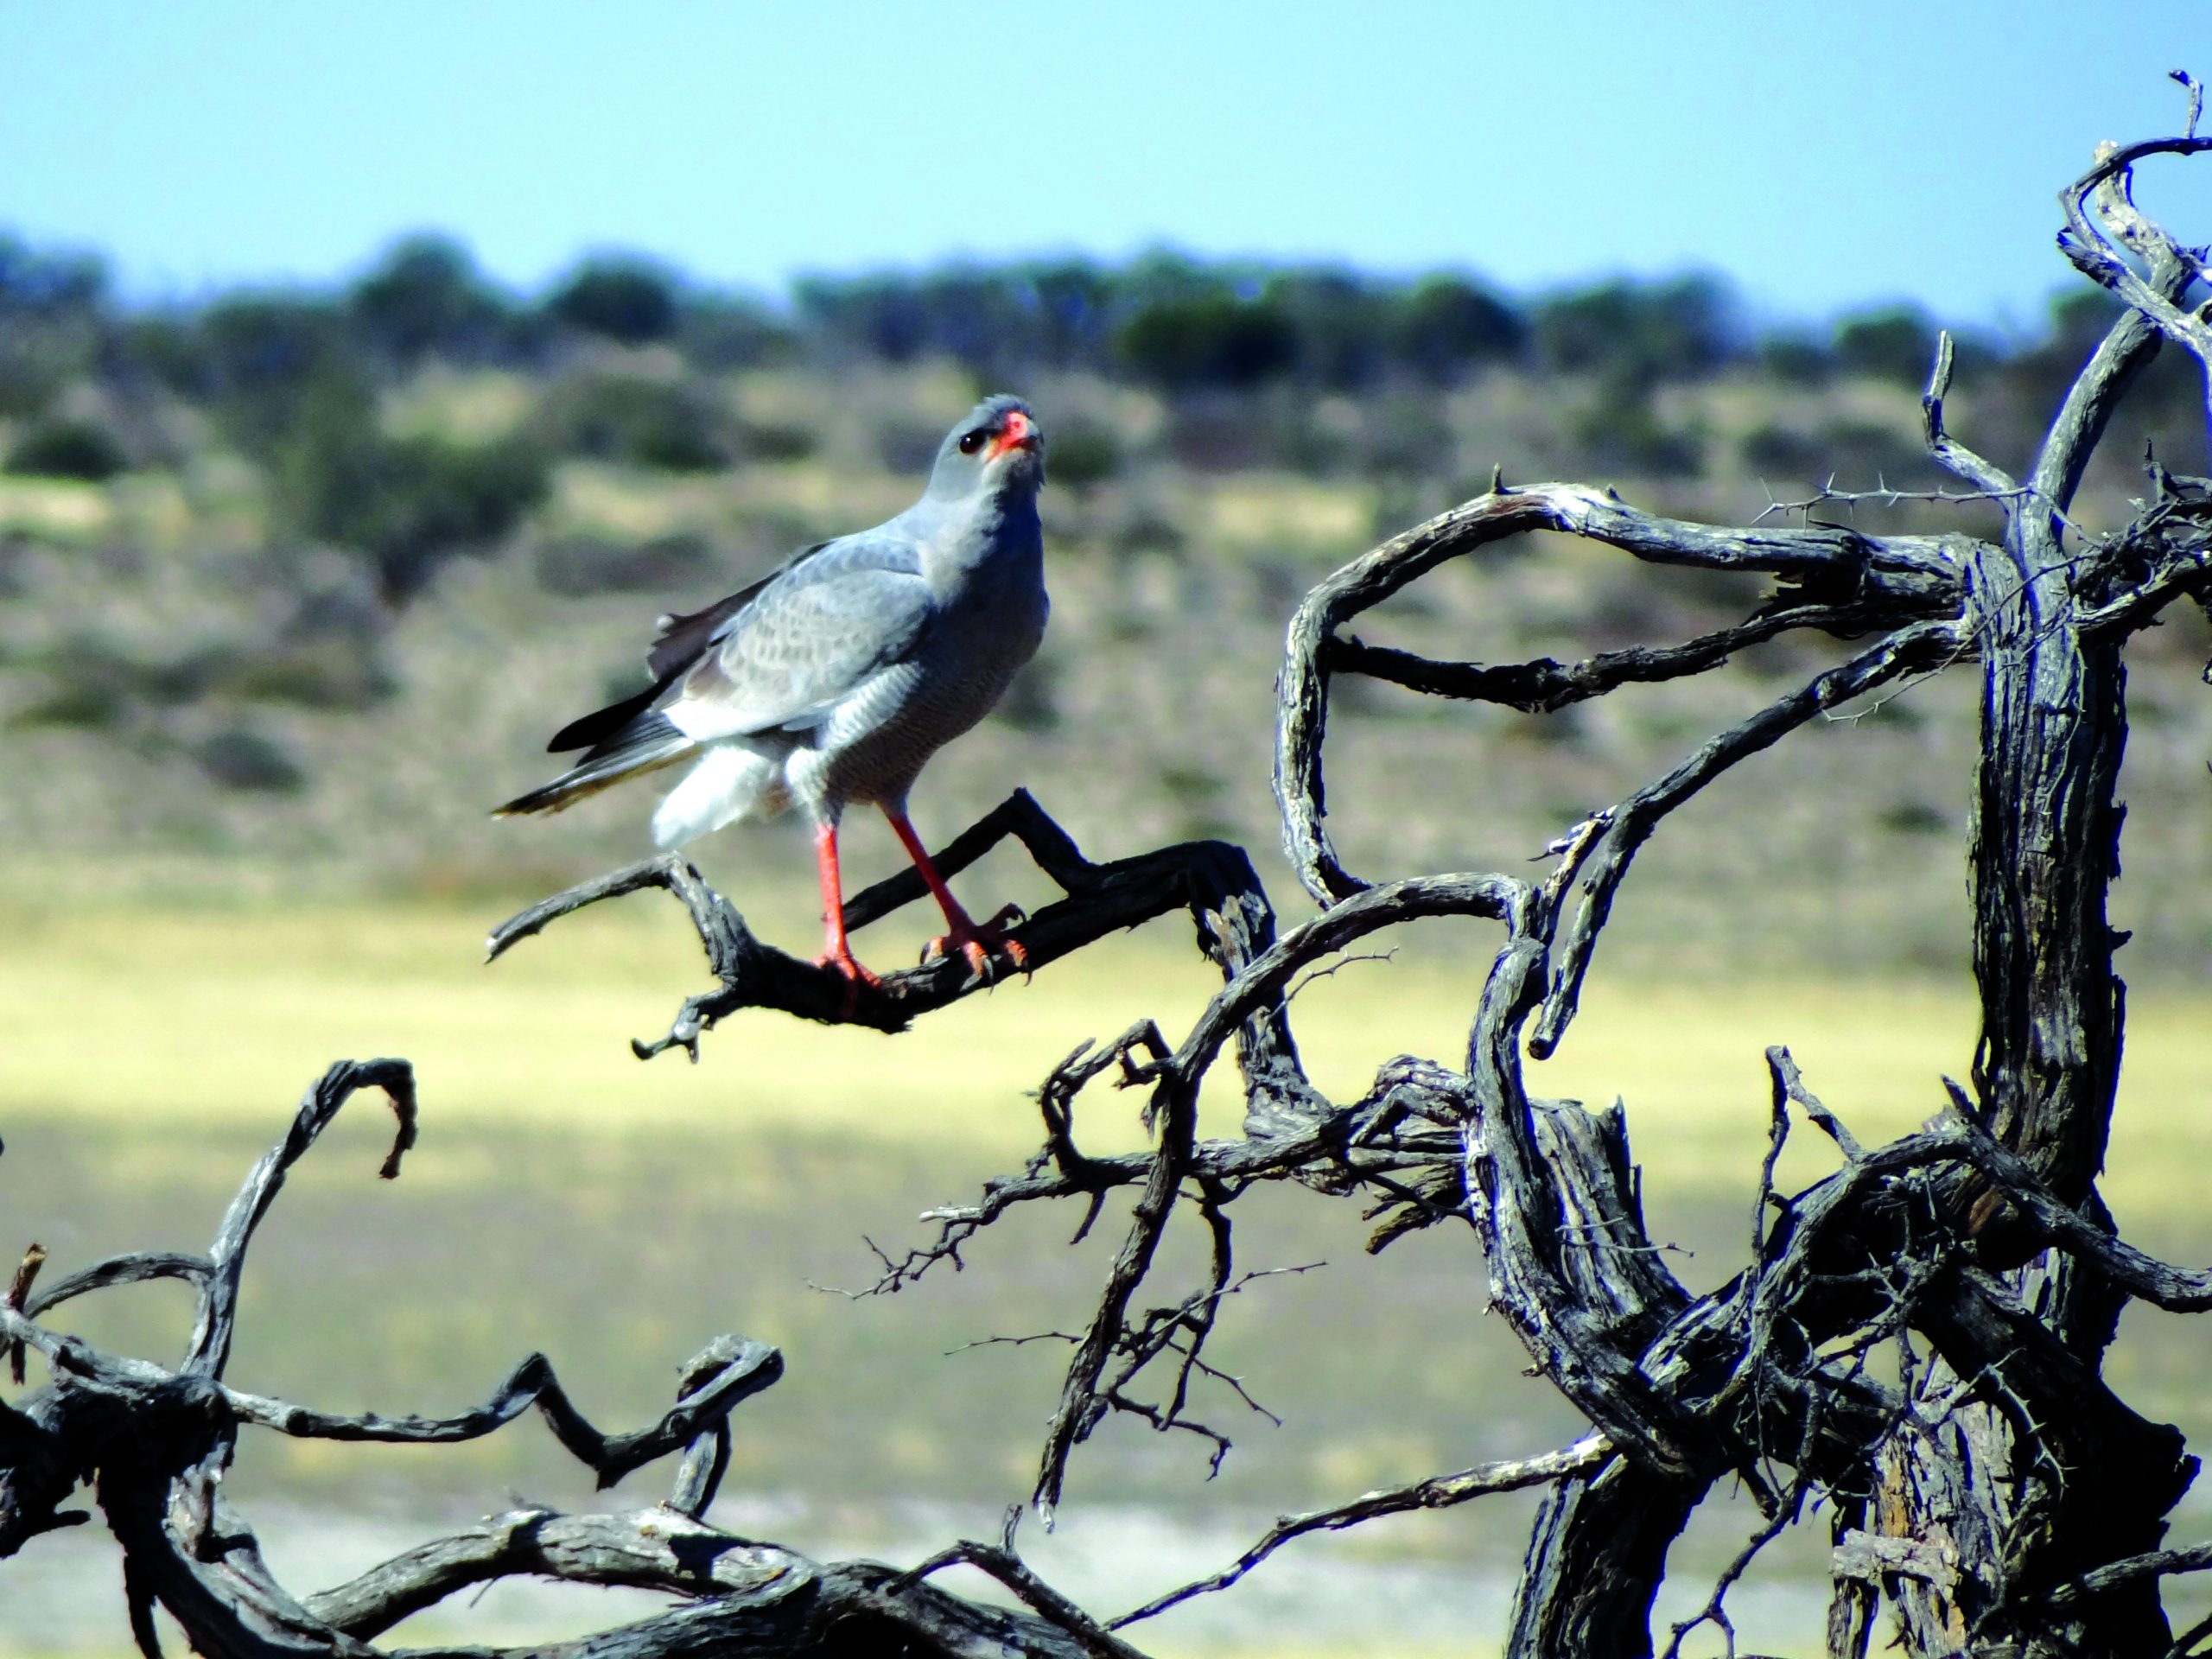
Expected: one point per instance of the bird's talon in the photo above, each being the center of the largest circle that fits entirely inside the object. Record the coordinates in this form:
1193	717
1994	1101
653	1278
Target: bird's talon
978	947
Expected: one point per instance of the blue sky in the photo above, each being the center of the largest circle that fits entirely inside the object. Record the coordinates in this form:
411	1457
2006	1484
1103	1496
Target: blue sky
1821	155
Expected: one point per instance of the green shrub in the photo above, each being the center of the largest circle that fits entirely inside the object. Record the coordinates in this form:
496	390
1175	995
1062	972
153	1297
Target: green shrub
906	445
405	505
1641	332
1897	344
723	333
769	440
1622	431
1446	326
670	427
1200	799
241	757
45	285
255	339
1212	340
91	703
1793	356
1148	530
1781	449
425	298
1916	817
624	299
67	449
1862	456
91	683
1081	454
31	375
1217	433
1405	437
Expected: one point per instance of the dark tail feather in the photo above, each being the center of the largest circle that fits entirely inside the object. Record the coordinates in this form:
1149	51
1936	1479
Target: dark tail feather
603	725
647	744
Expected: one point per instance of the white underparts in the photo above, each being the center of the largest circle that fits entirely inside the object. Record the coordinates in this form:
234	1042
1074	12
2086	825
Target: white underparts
731	780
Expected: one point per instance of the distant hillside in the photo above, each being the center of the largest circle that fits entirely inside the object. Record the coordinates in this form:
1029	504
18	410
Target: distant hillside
293	587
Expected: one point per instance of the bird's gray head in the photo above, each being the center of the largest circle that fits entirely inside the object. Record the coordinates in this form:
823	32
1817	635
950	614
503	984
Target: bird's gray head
995	445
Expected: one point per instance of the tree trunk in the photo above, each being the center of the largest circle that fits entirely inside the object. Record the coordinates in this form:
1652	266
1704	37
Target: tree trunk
2038	1472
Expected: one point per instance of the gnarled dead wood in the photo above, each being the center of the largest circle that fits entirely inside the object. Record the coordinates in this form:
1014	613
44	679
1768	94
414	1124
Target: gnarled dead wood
1915	1340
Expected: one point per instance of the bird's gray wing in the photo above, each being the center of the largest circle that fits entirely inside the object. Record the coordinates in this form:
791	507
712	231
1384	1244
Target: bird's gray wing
685	637
682	638
807	638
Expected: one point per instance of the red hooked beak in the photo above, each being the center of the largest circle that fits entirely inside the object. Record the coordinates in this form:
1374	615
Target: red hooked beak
1019	433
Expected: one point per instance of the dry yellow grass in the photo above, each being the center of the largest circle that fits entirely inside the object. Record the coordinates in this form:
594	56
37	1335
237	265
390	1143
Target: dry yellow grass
180	1017
177	1019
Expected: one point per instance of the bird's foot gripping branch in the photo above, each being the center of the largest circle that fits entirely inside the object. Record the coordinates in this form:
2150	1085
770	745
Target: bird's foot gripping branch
1213	881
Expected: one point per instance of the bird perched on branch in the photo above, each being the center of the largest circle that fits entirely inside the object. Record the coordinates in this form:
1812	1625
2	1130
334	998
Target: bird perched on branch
833	678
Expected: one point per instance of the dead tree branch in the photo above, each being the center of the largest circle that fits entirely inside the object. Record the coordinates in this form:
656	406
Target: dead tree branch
153	1443
1437	1492
1986	1482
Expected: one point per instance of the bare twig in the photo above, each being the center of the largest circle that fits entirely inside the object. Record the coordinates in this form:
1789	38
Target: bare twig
1952	455
1437	1492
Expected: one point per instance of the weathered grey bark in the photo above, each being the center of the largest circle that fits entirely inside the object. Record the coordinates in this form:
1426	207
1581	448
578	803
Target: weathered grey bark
2017	1496
1596	1558
1917	1340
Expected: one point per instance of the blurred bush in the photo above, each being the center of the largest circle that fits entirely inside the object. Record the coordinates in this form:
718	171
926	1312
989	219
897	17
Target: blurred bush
1147	531
1209	339
1218	432
1406	436
1622	430
719	332
1864	455
905	443
1637	334
1083	454
674	426
239	757
425	298
1772	449
773	441
577	566
630	301
1032	702
1897	344
1796	357
403	505
1447	326
52	313
67	449
86	680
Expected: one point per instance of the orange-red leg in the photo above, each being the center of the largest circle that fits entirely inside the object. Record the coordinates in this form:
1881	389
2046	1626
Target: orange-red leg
836	953
961	934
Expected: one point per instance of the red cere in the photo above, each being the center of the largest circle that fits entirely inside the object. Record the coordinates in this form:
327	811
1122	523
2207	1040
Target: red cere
1016	434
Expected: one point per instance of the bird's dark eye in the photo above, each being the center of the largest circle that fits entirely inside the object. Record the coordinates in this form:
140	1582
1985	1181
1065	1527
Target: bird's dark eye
971	441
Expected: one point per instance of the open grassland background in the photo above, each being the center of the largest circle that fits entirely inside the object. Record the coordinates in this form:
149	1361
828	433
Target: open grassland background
207	700
616	1214
245	837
